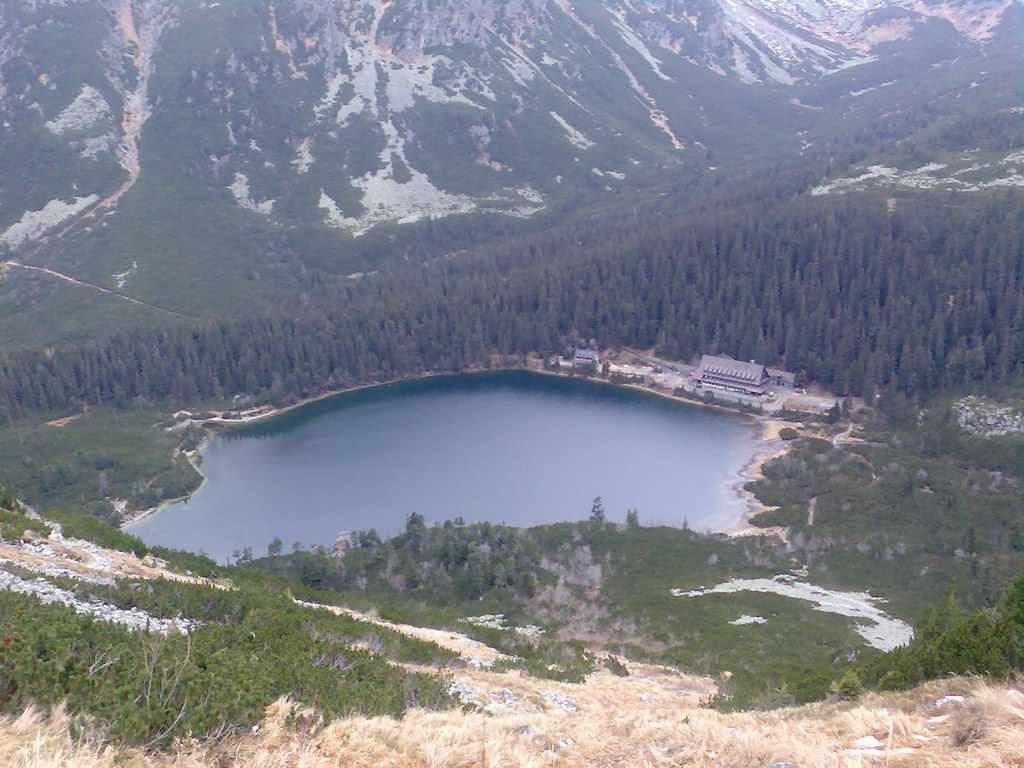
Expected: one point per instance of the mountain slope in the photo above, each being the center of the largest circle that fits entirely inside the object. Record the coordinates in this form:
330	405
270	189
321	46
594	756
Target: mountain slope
621	712
955	724
202	156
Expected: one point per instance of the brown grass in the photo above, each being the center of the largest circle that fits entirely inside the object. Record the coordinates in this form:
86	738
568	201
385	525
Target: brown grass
655	717
637	721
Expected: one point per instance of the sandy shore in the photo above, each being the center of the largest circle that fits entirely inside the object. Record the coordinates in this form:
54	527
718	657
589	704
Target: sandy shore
130	518
753	471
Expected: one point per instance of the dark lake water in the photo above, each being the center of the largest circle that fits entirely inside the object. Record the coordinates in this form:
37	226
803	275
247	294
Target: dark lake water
509	447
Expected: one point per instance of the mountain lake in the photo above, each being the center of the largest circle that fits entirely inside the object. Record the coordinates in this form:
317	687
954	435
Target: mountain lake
506	446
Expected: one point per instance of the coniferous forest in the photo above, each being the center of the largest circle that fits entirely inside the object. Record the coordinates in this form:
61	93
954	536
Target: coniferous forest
860	294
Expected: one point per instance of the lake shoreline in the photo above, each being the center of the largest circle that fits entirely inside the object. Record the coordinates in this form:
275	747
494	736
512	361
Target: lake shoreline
192	456
754	471
534	366
264	414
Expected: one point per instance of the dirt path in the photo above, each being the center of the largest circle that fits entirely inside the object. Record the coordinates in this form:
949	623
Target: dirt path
84	284
64	421
844	436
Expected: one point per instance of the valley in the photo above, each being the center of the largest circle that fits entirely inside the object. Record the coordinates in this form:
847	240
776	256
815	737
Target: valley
530	382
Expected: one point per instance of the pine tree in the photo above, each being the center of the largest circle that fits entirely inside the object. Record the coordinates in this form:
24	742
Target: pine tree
597	511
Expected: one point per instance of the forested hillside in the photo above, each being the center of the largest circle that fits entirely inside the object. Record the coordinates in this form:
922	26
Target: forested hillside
169	161
857	294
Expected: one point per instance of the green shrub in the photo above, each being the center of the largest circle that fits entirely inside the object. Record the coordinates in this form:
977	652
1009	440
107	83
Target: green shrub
8	501
152	690
170	599
187	562
14	524
848	687
783	516
788	433
616	667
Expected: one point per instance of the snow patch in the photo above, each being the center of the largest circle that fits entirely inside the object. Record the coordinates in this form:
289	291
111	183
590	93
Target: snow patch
386	199
922	178
526	201
34	224
402	84
862	91
521	71
868	742
634	42
239	188
576	138
133	618
304	156
88	108
498	621
120	278
747	619
883	632
1013	157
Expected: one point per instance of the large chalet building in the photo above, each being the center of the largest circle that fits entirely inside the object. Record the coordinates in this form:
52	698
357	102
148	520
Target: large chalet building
751	378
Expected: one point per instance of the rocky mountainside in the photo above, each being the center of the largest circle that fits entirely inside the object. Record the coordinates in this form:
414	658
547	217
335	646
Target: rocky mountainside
155	151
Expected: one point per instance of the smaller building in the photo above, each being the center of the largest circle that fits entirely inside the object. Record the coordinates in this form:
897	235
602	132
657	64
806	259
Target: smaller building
585	357
782	378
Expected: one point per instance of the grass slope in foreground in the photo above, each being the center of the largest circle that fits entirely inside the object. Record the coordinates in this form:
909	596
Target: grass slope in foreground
253	642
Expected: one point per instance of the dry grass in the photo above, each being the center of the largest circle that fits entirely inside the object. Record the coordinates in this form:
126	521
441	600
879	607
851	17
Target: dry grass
639	721
88	559
465	646
652	718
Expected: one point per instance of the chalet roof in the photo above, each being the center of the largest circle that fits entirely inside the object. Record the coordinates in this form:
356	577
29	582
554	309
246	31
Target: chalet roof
585	354
732	369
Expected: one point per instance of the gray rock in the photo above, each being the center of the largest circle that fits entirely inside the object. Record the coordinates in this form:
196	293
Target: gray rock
467	694
566	702
133	618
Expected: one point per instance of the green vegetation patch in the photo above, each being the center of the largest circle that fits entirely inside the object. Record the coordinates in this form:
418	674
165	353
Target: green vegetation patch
14	525
152	689
901	514
79	526
950	640
102	454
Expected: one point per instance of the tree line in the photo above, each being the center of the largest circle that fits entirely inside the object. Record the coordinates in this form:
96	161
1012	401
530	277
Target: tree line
861	296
